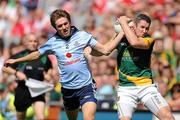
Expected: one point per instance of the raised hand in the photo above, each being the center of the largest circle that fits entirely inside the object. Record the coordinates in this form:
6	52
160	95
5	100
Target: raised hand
123	19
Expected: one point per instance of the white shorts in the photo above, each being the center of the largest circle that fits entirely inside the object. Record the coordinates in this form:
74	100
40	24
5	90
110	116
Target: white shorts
129	97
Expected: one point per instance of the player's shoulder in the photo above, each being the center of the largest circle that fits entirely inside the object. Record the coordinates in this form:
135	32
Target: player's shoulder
148	39
83	32
85	35
53	37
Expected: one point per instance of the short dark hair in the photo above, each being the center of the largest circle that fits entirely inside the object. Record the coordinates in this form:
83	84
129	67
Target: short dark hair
141	16
56	14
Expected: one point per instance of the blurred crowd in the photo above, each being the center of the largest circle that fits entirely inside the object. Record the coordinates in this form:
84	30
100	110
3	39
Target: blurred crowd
21	17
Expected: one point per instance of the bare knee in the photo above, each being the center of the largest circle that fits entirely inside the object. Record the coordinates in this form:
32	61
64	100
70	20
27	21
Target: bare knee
89	110
89	117
40	117
165	114
125	118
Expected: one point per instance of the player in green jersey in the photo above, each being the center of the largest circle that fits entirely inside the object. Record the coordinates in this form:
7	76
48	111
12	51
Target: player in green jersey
135	76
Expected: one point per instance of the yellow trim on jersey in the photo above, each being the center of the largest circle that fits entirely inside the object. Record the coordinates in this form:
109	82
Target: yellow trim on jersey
148	41
139	81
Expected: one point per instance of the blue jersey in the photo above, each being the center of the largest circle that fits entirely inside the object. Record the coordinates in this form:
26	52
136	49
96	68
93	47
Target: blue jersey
72	64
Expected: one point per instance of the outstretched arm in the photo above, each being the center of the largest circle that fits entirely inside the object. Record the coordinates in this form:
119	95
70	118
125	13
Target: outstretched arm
32	56
106	49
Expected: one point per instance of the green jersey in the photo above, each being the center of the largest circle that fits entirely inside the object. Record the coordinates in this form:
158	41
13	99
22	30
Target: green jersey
134	64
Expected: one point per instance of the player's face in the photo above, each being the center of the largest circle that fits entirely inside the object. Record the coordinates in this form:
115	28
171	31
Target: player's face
142	28
32	43
63	27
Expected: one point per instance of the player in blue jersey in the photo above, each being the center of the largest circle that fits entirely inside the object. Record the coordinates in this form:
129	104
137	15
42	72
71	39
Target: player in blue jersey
68	46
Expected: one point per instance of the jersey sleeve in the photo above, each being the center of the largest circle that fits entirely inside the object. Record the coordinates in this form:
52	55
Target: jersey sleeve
47	47
92	41
148	40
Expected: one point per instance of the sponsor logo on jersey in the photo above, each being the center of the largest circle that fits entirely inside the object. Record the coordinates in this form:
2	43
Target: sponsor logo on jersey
68	55
72	62
76	43
29	67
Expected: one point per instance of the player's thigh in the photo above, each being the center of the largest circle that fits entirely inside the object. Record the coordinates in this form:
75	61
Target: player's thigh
22	98
87	94
89	109
71	103
88	101
126	102
70	99
153	100
39	107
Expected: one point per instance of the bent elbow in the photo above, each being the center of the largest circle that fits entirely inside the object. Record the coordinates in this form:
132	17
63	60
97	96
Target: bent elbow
106	53
139	46
134	45
34	55
37	56
4	69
